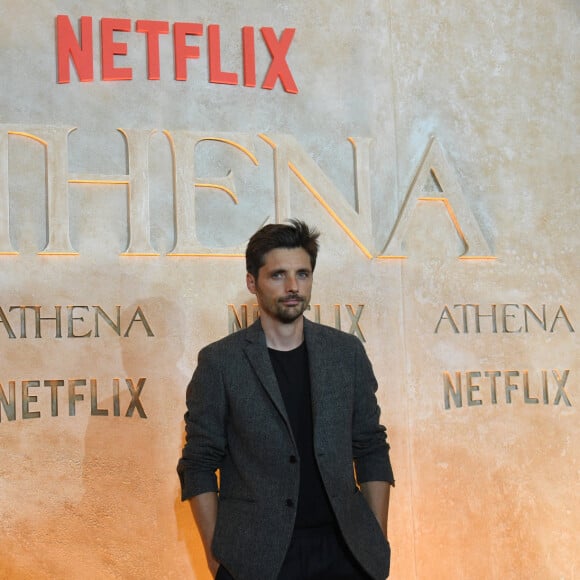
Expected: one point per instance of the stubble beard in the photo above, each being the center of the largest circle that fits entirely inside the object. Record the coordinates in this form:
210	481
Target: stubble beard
288	314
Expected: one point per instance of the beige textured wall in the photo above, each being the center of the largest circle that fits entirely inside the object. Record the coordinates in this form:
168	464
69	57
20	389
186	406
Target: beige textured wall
475	103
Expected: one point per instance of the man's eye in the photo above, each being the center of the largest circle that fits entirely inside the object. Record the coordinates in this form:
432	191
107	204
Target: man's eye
277	275
303	275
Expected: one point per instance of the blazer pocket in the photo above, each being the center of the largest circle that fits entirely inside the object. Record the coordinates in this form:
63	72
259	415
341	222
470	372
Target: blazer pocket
236	517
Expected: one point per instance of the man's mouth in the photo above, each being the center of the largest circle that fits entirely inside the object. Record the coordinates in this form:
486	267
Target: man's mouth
291	300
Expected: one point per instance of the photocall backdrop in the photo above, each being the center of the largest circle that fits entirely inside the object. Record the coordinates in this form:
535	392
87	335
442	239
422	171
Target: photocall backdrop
435	145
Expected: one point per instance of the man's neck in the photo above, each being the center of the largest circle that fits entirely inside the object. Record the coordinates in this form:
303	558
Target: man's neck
283	336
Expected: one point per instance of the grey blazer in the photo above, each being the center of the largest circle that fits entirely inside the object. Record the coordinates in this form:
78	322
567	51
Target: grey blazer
236	423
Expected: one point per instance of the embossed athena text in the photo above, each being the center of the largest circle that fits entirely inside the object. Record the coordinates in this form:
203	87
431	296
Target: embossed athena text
502	318
291	167
76	321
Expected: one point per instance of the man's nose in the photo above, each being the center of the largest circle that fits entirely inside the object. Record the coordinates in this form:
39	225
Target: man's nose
291	284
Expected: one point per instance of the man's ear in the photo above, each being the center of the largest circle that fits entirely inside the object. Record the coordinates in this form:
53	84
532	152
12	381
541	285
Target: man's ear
251	283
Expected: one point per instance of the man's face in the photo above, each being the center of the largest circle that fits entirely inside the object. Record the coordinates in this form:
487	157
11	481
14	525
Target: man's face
283	285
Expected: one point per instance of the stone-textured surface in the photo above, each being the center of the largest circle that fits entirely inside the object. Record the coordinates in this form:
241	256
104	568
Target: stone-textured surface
483	490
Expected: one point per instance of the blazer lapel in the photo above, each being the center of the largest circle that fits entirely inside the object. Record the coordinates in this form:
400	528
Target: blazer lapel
317	360
257	353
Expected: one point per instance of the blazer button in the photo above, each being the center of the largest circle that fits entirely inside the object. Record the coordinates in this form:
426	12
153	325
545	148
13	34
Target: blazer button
293	459
290	502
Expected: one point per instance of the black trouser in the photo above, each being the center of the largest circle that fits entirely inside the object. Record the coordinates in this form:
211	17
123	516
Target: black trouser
316	554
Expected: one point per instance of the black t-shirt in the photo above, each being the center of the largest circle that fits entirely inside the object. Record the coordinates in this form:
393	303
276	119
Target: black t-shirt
292	371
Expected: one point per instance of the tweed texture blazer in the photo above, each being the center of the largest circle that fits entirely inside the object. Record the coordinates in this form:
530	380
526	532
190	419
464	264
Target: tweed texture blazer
236	423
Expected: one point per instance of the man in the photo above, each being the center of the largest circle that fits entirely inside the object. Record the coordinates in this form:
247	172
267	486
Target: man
284	409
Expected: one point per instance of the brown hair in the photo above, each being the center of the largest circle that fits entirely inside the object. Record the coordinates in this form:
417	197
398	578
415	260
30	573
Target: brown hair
272	236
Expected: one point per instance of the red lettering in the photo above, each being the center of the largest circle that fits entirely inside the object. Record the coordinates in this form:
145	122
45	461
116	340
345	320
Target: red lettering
68	46
216	75
183	51
279	67
109	49
153	29
79	51
248	50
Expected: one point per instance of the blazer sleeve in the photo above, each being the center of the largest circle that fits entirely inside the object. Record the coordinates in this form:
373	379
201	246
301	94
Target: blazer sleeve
205	437
369	441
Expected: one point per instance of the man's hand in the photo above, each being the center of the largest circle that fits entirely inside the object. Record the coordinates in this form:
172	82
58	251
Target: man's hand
377	495
213	565
204	509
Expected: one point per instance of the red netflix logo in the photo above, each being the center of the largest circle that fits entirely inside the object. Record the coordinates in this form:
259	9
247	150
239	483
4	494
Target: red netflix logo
79	51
